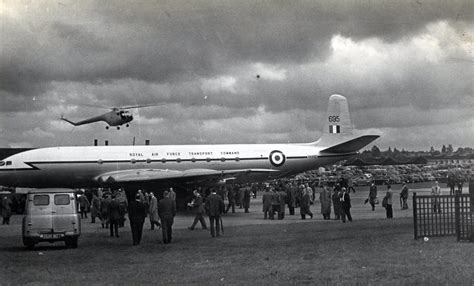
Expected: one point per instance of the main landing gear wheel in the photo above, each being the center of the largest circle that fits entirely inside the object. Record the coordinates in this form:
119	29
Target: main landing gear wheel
127	125
118	127
106	127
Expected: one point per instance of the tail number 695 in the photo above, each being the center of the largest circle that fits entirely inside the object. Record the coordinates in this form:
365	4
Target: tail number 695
333	118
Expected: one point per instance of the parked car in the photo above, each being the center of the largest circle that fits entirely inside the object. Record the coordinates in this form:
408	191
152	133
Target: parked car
361	181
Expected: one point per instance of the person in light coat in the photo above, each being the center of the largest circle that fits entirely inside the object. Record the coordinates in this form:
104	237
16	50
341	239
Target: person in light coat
306	203
325	200
153	211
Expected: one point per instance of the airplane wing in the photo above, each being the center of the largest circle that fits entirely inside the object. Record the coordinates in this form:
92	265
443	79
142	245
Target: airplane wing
144	175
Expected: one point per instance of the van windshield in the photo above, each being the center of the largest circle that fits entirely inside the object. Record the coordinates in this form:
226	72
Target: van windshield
61	200
41	200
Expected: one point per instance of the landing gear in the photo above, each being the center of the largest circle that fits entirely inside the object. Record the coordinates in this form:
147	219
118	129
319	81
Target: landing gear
107	127
127	125
118	127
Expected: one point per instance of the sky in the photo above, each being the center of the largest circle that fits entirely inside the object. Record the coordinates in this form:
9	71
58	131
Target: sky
236	71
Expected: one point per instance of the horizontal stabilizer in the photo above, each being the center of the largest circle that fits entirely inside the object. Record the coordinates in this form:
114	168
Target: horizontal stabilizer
351	146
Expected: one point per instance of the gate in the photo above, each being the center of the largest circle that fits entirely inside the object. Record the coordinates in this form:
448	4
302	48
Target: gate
445	215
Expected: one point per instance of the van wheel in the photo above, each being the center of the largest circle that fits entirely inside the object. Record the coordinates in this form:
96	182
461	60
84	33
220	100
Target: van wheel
71	242
28	243
74	242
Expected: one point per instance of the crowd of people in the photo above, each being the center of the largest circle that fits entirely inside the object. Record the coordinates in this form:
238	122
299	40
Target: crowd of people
111	206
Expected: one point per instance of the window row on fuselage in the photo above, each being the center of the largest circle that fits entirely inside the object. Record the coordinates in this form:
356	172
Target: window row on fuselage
179	160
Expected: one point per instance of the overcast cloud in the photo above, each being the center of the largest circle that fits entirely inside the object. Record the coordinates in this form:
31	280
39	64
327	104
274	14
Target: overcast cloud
406	69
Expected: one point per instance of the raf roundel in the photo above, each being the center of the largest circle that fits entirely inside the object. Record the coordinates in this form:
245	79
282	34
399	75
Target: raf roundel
277	158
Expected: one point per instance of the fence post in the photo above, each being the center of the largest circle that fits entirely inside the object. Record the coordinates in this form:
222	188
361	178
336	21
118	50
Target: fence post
471	210
457	215
415	219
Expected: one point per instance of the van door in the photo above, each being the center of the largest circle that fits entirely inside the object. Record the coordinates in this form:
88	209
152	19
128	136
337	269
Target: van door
63	212
40	213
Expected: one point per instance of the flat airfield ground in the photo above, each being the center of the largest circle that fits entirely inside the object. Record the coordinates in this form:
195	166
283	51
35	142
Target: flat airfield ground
369	251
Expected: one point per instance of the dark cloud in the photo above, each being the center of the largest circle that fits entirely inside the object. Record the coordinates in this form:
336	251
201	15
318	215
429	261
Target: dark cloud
199	61
164	41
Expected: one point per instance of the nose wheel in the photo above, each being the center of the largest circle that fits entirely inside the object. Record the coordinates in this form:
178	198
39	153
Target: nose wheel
128	125
106	127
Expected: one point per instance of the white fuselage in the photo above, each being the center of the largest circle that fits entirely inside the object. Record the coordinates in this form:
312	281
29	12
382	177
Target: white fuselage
78	167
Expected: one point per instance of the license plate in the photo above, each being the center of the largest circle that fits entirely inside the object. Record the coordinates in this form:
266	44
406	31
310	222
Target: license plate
52	235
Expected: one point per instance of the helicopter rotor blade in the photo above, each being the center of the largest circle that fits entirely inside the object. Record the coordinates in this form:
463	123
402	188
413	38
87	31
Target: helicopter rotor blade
99	106
140	106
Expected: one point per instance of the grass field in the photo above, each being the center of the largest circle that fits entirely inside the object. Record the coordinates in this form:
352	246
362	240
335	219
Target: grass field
369	251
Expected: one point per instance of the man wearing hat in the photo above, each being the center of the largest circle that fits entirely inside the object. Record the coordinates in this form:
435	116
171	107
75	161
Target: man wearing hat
166	212
136	214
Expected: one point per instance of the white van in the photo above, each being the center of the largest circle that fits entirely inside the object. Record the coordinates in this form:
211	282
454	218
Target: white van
51	215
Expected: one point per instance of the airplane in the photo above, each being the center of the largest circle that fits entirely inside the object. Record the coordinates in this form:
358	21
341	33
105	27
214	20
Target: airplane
155	165
117	117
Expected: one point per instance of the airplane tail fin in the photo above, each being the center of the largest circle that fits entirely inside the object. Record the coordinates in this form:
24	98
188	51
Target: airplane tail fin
338	126
337	131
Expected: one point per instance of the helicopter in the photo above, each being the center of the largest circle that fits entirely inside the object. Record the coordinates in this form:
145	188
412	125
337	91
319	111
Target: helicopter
116	117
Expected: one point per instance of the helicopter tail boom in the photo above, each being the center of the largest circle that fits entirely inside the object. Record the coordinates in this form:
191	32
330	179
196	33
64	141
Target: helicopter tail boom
86	121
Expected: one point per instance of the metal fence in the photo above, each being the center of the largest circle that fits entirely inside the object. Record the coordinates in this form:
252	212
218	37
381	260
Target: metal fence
445	215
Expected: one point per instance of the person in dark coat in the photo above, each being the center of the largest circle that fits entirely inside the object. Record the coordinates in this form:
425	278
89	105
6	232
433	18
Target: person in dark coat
95	208
6	209
346	204
404	197
267	204
104	210
246	199
197	207
114	216
387	202
451	182
336	201
136	214
282	200
292	191
214	208
83	205
231	198
275	202
166	212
